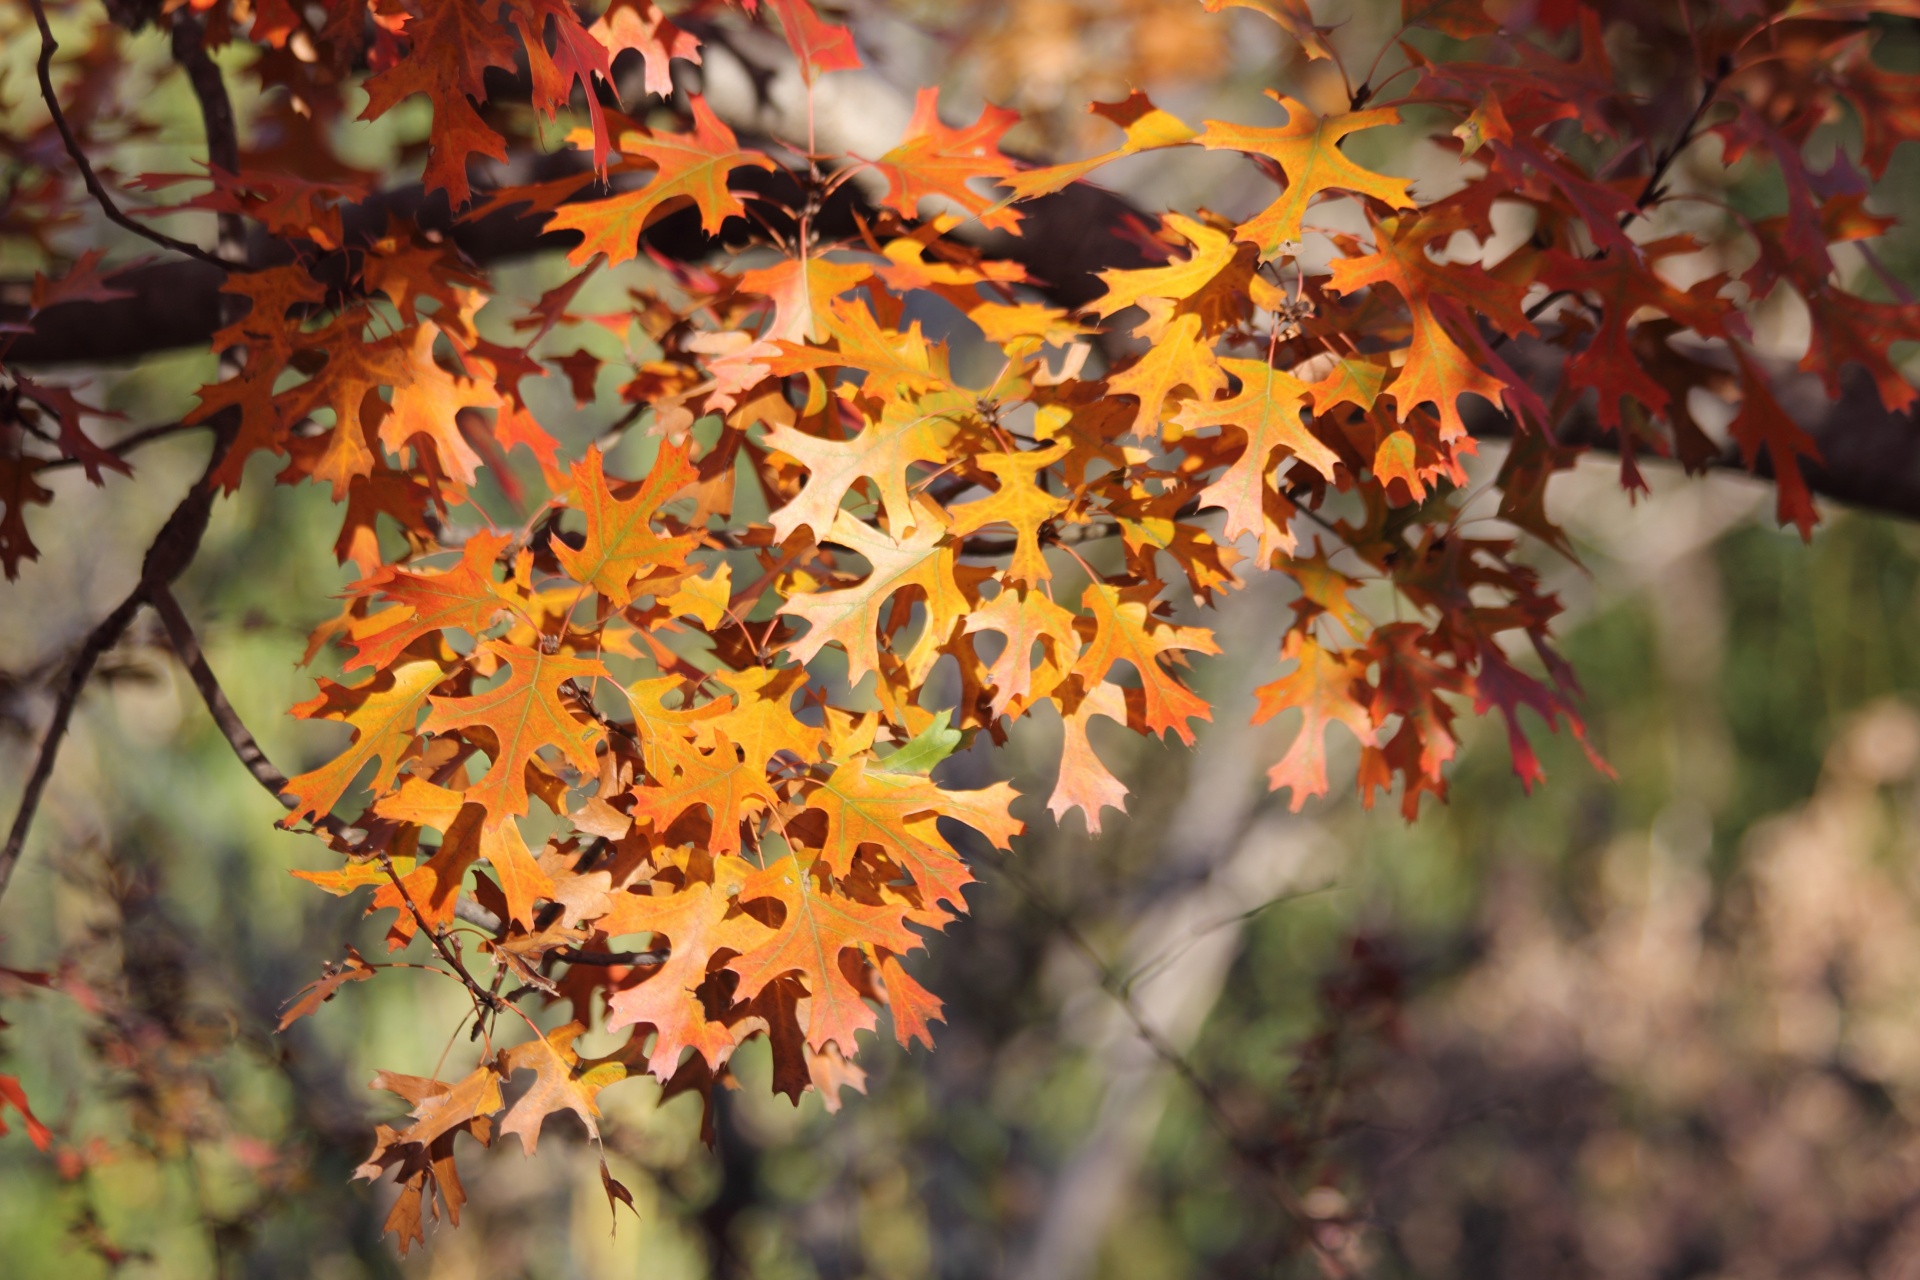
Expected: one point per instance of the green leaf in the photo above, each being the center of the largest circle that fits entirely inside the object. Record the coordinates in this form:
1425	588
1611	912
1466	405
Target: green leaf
926	749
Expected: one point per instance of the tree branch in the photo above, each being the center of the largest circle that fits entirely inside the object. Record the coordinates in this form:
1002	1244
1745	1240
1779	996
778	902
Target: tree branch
216	115
48	46
187	646
172	551
121	448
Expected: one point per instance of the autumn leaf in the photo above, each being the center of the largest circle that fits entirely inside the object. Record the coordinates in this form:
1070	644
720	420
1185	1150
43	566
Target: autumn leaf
817	926
801	290
881	453
935	162
851	616
1147	128
384	713
687	168
1323	687
1125	632
730	787
1085	783
897	812
819	46
450	46
699	923
14	1096
622	548
1461	19
1293	17
464	598
1307	149
1026	619
912	1005
1763	424
1266	410
562	1082
324	988
640	27
522	714
1019	502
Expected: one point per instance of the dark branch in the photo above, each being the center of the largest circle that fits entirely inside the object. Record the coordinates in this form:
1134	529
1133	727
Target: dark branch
609	958
187	646
48	46
121	448
216	115
172	551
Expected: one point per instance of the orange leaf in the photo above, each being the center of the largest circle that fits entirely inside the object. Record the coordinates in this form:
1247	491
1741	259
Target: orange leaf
852	615
384	713
897	813
1267	411
1307	150
450	46
820	46
12	1095
732	789
699	922
1085	783
819	925
913	1005
1019	502
934	162
523	714
622	548
1123	632
562	1082
465	598
690	167
640	26
1322	687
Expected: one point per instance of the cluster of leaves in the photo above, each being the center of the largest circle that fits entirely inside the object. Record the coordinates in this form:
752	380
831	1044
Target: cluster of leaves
731	722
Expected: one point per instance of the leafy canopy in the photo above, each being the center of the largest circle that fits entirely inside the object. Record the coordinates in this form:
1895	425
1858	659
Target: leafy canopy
728	651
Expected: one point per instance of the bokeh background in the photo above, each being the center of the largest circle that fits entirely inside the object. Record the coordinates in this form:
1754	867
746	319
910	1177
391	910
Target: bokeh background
1663	1025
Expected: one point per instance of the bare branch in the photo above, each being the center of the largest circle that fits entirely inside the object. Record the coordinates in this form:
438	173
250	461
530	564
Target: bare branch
121	448
187	646
102	638
1116	986
216	115
48	46
172	551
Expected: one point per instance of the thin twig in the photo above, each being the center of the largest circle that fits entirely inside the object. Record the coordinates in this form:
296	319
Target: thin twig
99	192
1111	983
172	550
103	637
121	448
572	955
186	645
483	999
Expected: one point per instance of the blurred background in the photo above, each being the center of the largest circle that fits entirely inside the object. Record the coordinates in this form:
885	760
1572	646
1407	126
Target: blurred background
1666	1025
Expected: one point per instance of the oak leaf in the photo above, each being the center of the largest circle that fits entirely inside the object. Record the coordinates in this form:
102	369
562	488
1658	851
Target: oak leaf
699	922
935	162
818	925
1307	149
384	713
1323	687
898	812
622	548
851	615
1123	631
688	168
522	714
